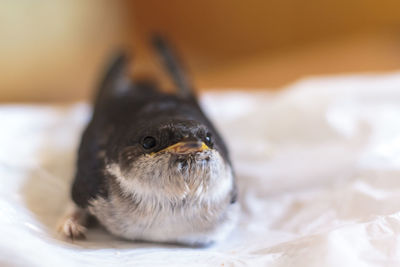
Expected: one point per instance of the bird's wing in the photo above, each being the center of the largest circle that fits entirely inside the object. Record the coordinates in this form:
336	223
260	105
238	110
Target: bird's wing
174	67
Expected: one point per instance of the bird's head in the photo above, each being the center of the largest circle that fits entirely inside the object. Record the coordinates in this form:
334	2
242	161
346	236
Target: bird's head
174	159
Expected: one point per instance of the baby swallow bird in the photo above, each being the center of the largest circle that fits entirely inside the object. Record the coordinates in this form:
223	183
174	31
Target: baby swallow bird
151	166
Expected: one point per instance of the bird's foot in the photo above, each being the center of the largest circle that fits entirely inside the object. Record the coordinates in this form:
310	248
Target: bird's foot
73	224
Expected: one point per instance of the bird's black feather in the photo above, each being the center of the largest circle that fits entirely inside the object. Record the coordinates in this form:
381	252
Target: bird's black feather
173	66
122	117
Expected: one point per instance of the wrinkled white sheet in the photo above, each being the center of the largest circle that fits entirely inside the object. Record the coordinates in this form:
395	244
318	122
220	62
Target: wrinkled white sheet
318	167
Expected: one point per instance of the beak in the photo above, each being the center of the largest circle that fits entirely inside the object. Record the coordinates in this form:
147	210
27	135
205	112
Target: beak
186	147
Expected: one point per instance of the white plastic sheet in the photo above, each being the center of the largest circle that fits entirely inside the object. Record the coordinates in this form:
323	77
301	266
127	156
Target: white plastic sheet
318	167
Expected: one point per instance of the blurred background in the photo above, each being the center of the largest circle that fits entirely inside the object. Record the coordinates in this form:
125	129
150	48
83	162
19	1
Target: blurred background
54	50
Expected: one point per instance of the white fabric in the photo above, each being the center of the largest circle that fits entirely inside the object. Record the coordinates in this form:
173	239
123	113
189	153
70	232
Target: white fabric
318	167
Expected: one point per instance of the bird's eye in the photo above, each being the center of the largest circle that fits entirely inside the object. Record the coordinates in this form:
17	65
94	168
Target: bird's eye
149	142
208	138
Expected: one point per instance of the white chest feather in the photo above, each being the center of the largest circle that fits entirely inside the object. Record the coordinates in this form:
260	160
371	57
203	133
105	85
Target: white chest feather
184	202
